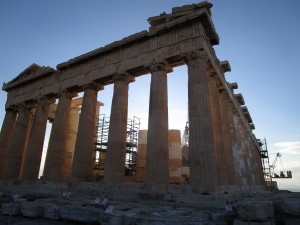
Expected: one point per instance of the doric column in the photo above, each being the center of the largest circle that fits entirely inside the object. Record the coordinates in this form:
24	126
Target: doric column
221	159
201	141
71	141
115	156
240	163
82	166
157	163
236	151
226	133
6	135
245	152
13	162
250	155
259	173
36	141
57	143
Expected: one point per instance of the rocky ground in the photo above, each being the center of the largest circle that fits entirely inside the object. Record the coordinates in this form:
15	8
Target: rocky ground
149	208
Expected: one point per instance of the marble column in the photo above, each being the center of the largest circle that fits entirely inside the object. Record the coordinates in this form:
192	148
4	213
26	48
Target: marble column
255	161
230	168
221	159
13	162
33	156
157	159
250	155
82	166
260	172
116	150
241	163
234	144
6	135
53	169
245	153
201	141
70	142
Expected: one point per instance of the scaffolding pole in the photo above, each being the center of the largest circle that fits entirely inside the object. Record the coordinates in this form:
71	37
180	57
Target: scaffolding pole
264	155
101	142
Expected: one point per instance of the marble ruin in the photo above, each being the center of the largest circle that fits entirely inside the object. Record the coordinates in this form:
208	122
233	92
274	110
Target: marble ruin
223	152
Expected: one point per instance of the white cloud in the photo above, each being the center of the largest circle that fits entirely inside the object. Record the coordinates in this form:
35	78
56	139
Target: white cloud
292	148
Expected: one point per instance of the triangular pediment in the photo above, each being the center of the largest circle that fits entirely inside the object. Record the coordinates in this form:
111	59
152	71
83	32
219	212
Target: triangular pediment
32	72
178	12
184	14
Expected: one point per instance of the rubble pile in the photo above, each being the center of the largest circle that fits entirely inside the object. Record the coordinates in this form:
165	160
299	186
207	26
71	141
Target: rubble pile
256	208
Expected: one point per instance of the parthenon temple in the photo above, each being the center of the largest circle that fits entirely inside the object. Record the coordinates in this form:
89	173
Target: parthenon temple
224	154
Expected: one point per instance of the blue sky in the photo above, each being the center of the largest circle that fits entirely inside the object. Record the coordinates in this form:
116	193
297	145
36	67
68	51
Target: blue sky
260	39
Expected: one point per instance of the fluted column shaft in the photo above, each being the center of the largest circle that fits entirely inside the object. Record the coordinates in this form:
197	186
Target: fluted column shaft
57	143
71	141
6	135
157	163
82	166
116	150
245	153
236	151
249	154
243	164
201	142
36	141
221	159
230	168
259	172
13	162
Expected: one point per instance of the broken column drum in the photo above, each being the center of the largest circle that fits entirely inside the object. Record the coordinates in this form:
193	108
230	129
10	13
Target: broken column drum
185	36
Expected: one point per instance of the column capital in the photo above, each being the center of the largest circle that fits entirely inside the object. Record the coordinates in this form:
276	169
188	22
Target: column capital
93	86
67	94
155	67
212	75
25	106
45	100
193	55
126	77
13	108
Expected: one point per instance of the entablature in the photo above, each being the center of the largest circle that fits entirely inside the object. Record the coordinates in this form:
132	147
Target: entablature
31	73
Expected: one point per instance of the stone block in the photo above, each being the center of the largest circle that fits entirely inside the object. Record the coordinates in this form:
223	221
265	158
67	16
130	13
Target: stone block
175	163
186	171
32	209
129	218
218	216
255	210
80	214
292	221
141	163
11	208
173	213
175	151
175	172
143	137
51	212
142	149
291	207
240	222
115	218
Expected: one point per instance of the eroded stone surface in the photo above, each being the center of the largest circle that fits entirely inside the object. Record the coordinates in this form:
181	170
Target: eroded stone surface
256	210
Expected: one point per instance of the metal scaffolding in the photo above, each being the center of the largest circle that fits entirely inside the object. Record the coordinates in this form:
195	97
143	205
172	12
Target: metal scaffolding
101	141
133	126
264	155
185	145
